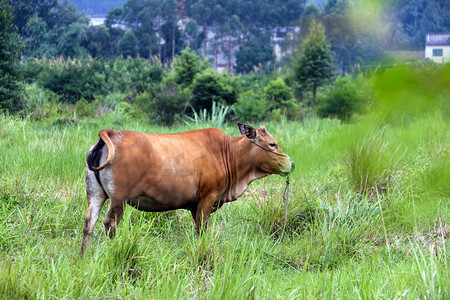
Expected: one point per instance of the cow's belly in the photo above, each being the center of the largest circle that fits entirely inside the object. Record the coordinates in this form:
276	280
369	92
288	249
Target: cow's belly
162	194
155	202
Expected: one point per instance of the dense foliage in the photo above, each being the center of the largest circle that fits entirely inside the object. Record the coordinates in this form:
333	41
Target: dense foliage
313	65
10	46
342	100
162	29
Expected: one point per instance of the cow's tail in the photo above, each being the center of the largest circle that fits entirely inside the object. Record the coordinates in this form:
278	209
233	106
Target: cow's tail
94	155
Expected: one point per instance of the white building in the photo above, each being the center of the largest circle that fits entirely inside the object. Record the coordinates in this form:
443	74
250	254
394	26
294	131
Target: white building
437	47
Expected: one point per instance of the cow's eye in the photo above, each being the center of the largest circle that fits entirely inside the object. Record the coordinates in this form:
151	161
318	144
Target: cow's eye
273	145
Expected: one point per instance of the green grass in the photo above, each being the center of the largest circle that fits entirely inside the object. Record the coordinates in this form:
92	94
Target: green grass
368	218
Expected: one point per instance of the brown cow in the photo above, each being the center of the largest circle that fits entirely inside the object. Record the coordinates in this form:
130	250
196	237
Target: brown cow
198	170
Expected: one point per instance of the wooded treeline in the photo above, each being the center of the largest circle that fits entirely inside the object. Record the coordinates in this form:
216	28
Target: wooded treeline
162	28
54	64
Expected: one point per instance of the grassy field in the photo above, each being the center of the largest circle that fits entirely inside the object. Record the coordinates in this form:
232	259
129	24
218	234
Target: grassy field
368	218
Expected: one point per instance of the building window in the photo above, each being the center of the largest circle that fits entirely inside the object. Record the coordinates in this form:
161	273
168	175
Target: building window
437	52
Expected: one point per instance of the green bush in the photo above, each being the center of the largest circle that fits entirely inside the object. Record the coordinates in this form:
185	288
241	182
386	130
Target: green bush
84	108
164	102
109	102
130	76
40	103
251	106
126	110
209	87
280	99
73	79
341	101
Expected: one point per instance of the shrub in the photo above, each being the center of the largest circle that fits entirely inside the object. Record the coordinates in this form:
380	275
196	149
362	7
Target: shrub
109	102
209	87
39	103
74	79
84	108
342	101
125	110
280	98
164	102
251	107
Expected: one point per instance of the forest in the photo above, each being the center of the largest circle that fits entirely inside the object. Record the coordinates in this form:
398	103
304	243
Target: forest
365	120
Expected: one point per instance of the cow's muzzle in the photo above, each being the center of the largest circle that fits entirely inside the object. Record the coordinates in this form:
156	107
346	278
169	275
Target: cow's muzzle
289	169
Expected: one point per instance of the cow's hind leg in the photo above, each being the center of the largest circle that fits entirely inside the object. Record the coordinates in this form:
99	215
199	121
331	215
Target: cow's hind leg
113	217
96	198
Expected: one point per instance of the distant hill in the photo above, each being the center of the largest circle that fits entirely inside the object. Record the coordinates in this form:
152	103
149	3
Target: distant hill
97	7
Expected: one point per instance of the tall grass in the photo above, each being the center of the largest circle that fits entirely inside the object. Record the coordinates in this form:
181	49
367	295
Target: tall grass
339	241
216	118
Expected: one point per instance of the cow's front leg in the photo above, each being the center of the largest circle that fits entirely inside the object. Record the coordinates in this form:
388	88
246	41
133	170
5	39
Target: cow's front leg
204	209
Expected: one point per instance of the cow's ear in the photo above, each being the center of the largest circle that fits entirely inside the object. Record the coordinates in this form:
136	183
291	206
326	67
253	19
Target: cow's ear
248	130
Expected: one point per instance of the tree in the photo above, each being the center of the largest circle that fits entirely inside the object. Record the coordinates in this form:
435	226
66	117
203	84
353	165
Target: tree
10	47
203	12
230	31
97	41
419	17
313	65
172	41
70	40
251	107
24	10
164	102
192	35
143	17
51	28
128	45
341	32
186	66
149	17
292	39
170	28
255	52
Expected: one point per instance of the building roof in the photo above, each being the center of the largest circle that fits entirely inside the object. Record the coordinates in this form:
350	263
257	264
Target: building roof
438	39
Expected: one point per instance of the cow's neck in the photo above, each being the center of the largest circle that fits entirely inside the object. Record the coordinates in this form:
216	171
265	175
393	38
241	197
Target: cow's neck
242	168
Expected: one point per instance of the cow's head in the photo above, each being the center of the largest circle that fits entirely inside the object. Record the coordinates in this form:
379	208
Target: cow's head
270	157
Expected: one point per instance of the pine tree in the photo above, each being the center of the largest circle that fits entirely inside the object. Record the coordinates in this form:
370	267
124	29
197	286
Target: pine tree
313	64
10	47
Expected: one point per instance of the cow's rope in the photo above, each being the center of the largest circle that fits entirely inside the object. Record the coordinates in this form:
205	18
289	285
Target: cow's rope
286	202
268	150
286	189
